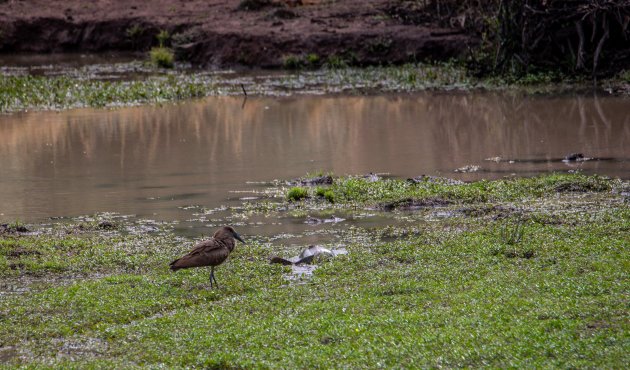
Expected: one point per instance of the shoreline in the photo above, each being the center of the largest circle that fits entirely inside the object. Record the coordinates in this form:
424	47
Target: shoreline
136	83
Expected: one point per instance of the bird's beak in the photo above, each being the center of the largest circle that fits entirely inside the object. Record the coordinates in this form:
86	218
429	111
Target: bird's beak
238	237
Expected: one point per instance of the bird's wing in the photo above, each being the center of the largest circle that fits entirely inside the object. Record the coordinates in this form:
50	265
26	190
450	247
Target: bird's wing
205	253
204	247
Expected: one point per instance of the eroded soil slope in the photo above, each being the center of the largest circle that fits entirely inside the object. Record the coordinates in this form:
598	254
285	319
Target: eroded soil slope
223	33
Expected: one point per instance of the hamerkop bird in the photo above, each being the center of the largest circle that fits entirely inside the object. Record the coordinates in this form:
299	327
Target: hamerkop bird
210	252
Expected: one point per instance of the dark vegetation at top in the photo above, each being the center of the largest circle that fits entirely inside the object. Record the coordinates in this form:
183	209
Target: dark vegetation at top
519	37
524	36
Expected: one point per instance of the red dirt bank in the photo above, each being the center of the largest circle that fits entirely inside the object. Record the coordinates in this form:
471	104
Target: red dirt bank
218	34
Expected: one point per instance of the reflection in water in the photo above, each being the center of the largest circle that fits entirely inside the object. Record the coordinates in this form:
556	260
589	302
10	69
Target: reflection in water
150	160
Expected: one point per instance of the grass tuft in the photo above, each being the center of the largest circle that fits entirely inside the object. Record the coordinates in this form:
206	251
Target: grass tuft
297	193
162	57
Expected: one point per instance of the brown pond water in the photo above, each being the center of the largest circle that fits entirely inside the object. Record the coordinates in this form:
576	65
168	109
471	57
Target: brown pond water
154	161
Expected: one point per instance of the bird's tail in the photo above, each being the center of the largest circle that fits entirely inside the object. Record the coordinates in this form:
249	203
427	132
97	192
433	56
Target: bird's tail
276	259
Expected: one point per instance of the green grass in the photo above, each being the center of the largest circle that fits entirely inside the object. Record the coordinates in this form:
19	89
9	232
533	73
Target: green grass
325	193
544	288
292	62
162	57
19	93
30	92
351	192
163	37
358	189
297	193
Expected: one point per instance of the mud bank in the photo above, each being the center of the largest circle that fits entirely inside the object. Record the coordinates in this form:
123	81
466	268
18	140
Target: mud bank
226	33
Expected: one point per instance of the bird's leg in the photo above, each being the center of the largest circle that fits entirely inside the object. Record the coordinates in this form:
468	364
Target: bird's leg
211	275
215	281
213	278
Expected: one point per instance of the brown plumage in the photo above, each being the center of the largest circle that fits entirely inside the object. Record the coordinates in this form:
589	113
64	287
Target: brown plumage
210	252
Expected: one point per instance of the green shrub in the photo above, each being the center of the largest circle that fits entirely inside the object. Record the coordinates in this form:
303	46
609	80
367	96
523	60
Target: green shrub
134	32
163	38
312	60
162	57
320	191
335	61
297	193
330	196
292	62
624	75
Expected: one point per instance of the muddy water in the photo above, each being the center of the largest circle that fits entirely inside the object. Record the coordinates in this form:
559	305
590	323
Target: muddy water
155	161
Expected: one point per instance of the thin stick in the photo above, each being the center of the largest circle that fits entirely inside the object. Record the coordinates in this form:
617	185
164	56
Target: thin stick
600	44
245	98
580	53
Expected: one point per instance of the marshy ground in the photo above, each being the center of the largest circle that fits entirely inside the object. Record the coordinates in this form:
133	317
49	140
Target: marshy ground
125	80
507	273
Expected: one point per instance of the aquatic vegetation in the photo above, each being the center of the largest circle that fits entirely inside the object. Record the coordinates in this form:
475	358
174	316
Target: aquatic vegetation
297	193
320	191
325	193
85	87
36	92
329	195
363	190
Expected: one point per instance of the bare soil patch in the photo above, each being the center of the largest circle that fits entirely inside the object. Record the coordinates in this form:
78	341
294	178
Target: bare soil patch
224	33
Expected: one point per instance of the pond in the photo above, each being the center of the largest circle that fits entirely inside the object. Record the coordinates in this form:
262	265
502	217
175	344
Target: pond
166	162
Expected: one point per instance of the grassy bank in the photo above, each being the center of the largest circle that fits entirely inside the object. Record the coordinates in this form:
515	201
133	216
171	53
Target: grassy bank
518	273
19	93
80	88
